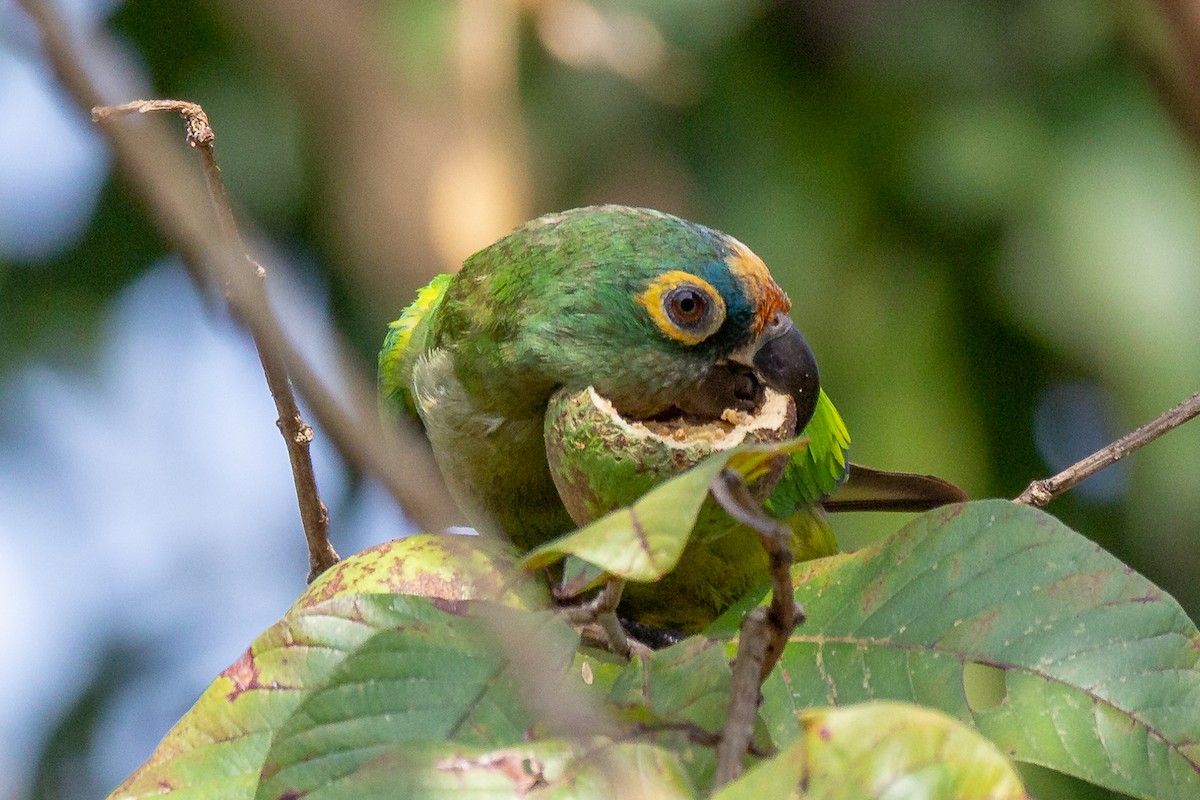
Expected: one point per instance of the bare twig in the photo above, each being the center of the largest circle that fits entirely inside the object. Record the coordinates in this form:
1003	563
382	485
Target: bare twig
150	162
694	733
783	614
1041	492
744	693
296	433
764	632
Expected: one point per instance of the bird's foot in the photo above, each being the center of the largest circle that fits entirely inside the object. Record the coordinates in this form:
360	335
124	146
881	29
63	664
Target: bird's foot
598	623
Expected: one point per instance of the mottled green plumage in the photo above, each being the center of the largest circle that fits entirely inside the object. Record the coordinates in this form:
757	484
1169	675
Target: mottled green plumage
568	300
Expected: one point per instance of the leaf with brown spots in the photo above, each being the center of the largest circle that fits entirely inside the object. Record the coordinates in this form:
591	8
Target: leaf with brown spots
409	669
546	770
219	745
440	565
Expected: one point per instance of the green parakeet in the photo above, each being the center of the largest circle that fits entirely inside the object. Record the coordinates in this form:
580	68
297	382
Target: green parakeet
661	316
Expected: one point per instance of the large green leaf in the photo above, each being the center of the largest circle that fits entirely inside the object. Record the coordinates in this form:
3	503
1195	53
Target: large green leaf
881	751
217	749
1099	667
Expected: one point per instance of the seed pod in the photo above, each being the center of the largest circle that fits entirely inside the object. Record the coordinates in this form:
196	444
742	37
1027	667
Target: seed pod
601	461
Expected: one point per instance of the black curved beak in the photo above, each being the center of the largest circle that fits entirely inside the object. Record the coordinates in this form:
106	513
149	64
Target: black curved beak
786	363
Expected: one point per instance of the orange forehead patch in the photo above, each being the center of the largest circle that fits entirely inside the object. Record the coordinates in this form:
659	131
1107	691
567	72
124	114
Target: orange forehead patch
760	286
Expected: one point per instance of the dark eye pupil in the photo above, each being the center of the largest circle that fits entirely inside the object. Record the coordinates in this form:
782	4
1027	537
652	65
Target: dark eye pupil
687	306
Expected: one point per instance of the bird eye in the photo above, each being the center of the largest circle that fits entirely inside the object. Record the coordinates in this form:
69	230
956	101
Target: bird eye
686	306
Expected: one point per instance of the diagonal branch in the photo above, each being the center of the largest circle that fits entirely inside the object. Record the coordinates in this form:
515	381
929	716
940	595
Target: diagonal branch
1041	492
150	162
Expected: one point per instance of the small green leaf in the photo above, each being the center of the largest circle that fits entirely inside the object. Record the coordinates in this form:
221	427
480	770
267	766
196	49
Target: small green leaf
881	751
644	541
579	576
681	693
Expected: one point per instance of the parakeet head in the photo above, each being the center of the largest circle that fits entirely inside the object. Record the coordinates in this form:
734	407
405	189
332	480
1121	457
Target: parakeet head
656	312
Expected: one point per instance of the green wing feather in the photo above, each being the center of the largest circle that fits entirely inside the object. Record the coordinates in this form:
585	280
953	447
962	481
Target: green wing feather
818	470
405	343
809	477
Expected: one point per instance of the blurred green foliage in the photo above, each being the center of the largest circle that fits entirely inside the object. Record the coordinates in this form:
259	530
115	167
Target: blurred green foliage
969	204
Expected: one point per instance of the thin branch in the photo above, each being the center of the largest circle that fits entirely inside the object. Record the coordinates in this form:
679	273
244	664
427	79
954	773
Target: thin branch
764	632
150	161
783	613
694	733
744	693
297	435
1041	492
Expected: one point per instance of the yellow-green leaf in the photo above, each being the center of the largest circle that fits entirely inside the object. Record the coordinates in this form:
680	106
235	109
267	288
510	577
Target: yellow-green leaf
881	751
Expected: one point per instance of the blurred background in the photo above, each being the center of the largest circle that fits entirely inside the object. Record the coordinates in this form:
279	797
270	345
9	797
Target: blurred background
987	216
